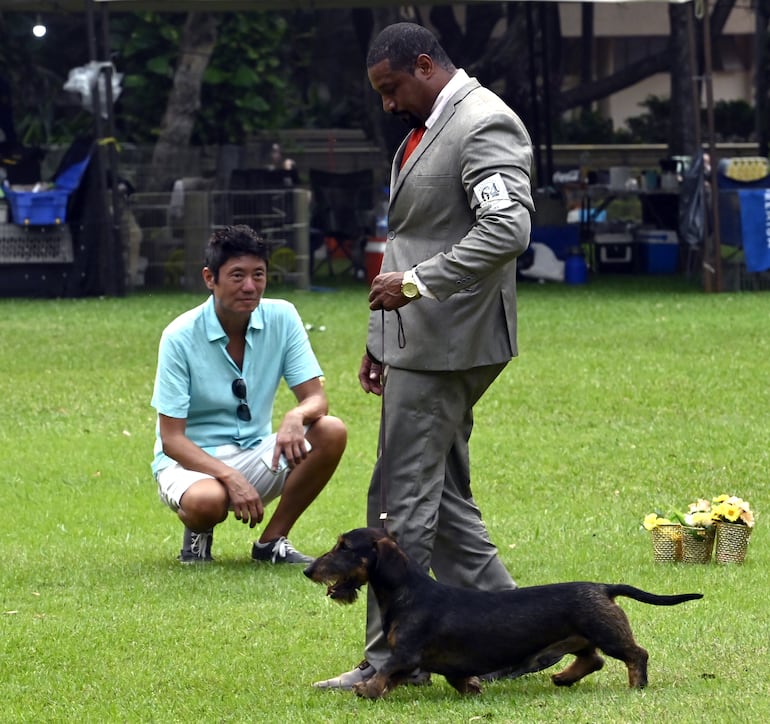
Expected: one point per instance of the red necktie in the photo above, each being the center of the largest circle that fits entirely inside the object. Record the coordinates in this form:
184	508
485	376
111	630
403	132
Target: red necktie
414	138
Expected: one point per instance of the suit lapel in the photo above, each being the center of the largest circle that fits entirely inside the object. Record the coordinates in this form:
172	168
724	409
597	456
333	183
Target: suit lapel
398	175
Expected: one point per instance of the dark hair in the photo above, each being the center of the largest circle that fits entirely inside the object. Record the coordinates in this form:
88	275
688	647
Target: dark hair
402	43
233	241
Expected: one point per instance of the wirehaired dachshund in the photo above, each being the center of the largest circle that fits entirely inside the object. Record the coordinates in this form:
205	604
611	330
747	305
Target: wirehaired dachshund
462	633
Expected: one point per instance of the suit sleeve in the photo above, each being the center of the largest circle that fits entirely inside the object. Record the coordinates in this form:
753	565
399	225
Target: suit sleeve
495	159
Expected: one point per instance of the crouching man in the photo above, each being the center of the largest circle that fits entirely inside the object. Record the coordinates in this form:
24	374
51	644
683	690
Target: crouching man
219	368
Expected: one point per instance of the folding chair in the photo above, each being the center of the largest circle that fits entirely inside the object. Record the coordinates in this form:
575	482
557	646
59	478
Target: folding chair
342	211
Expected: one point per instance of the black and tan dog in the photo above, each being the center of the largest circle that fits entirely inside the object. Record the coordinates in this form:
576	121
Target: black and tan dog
462	633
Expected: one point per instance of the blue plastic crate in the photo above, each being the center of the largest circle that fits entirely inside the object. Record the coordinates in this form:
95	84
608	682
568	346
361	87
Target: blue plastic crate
38	208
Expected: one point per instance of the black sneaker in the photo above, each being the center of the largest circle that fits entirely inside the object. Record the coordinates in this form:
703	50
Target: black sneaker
196	547
279	551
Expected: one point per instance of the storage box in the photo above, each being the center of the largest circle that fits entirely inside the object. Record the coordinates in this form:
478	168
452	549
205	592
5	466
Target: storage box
35	245
658	251
615	252
38	208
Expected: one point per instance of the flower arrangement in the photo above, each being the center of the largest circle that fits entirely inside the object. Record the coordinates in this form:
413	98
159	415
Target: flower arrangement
689	536
699	514
666	533
732	509
703	513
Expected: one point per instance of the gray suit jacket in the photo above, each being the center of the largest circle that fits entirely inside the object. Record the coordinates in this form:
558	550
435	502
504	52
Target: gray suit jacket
450	218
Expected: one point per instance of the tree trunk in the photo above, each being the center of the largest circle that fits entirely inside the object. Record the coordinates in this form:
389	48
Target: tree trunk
763	86
682	133
199	37
586	47
636	72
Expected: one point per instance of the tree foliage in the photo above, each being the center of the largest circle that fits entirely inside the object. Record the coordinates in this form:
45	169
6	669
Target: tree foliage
36	70
306	69
246	87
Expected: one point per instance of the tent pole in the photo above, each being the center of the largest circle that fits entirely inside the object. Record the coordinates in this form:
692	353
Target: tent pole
695	79
760	77
118	276
105	245
545	30
712	262
542	182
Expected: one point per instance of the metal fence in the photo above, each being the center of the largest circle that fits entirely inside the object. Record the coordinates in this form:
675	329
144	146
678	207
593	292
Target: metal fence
165	234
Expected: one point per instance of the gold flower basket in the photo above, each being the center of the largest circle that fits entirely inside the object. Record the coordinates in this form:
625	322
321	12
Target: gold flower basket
667	543
732	542
697	544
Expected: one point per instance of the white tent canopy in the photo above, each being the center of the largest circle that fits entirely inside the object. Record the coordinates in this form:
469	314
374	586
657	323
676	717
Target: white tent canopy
235	5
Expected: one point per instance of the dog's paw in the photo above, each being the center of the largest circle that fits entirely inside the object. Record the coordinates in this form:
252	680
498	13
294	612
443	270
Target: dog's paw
560	680
472	686
468	685
370	689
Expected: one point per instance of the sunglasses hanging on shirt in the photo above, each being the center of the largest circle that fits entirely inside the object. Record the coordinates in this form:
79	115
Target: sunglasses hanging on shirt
239	390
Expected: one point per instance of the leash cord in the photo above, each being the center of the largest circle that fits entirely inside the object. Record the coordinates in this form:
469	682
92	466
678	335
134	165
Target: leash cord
383	476
383	458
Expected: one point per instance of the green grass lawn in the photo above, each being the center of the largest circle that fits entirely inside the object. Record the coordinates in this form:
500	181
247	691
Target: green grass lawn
630	394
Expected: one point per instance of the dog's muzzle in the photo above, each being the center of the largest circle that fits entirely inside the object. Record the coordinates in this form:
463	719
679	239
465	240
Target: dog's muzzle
342	590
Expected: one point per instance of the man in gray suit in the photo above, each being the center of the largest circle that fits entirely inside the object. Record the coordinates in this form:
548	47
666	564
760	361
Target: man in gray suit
443	321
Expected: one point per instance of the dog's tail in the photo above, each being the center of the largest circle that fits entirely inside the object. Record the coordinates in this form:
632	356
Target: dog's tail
621	589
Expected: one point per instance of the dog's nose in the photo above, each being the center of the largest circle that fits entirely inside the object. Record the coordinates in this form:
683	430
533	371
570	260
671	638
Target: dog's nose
309	570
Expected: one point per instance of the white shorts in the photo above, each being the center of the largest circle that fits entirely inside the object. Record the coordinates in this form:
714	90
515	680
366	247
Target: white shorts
253	463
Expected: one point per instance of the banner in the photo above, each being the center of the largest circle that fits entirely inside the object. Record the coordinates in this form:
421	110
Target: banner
755	228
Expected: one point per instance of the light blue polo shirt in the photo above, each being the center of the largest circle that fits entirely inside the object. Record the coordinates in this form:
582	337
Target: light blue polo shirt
195	374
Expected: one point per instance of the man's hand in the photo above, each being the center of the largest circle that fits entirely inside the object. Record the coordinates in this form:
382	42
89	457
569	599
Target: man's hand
244	500
385	292
290	440
370	375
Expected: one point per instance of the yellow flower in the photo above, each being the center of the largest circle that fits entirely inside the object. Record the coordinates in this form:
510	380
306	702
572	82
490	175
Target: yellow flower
653	520
732	509
703	513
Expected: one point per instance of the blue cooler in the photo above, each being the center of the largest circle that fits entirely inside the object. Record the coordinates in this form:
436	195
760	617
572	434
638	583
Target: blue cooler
658	251
559	238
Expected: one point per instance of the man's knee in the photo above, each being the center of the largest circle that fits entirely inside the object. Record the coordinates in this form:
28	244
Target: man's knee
205	500
329	435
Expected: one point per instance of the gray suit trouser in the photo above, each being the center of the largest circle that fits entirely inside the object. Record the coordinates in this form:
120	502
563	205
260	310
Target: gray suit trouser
427	419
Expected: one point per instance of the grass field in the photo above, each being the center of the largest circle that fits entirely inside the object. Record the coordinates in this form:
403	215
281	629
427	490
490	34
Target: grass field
630	394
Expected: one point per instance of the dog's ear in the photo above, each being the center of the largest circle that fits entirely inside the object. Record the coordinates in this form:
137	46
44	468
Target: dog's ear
377	534
391	561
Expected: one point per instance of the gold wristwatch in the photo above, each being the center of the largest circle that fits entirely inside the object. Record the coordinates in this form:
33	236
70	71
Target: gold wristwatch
409	286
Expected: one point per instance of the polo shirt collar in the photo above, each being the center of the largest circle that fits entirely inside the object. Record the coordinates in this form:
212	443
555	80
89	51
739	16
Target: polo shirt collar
213	326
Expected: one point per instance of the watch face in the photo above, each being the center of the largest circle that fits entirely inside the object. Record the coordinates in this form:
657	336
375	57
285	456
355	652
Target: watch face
409	290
